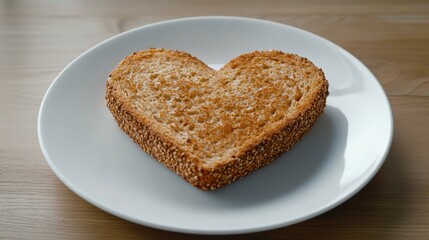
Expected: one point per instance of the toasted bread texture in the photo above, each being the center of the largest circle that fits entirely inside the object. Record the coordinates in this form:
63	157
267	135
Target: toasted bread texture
214	127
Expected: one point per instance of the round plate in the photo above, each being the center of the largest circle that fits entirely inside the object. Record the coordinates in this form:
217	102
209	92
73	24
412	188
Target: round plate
94	158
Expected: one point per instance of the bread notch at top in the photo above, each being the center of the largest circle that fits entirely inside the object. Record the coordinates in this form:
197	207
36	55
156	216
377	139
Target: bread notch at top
214	127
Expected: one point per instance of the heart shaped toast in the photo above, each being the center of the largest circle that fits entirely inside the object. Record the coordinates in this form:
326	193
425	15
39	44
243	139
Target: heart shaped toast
213	127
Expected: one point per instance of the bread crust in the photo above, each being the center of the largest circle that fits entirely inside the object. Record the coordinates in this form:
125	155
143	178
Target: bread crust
259	151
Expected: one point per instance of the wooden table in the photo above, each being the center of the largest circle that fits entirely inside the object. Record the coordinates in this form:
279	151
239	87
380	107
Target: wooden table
39	38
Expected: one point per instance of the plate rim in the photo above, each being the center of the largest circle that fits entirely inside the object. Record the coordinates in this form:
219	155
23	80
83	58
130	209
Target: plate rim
321	210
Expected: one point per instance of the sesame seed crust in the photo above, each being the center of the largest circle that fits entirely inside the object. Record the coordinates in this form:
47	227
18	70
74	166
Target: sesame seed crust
257	151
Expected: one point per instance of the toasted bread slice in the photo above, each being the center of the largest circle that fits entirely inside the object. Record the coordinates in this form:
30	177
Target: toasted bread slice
213	127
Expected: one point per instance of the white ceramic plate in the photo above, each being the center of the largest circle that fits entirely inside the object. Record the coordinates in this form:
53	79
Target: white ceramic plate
95	159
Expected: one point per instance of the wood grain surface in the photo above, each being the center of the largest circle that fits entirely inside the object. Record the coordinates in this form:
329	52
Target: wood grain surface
39	38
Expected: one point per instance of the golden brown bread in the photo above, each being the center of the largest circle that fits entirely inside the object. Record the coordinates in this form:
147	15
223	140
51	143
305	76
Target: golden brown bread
213	127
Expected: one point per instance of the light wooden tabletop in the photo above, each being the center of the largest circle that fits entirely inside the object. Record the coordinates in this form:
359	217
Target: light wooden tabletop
39	38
